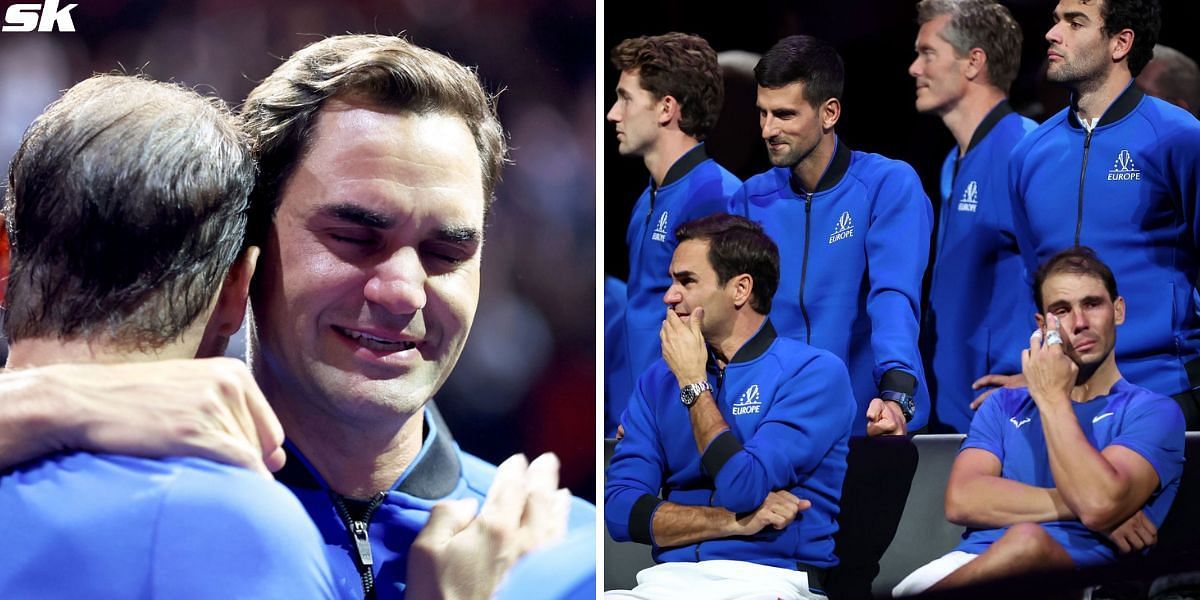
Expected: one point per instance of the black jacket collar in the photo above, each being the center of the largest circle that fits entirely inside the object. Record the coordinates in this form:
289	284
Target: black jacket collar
683	165
1123	105
1003	109
839	163
434	474
754	347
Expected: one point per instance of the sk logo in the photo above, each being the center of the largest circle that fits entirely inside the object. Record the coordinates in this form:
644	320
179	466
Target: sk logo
660	230
969	201
844	228
748	403
1124	169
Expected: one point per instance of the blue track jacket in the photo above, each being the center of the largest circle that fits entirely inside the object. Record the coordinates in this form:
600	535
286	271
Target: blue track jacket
852	254
1130	191
695	186
979	315
441	471
789	410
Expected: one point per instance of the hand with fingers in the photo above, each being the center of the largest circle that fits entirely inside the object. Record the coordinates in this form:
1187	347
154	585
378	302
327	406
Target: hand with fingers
210	408
993	382
885	418
778	511
461	555
1049	371
683	346
1135	534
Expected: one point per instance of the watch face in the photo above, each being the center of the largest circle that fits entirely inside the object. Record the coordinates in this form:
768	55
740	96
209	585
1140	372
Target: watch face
688	395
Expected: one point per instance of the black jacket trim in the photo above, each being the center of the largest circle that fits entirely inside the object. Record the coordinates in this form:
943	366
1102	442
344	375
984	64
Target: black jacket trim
756	345
1003	109
719	451
895	380
1122	106
839	163
433	476
641	518
684	164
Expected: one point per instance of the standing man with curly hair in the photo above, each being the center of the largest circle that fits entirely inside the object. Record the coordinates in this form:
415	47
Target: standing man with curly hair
668	98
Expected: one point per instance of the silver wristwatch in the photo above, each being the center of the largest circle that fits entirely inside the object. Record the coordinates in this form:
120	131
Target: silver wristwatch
691	391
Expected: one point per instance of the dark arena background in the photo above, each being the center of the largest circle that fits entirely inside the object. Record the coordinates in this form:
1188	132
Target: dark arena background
526	382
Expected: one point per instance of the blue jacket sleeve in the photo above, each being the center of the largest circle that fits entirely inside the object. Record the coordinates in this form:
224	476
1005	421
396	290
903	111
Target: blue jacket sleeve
738	204
811	411
237	536
1021	229
1180	145
634	476
897	253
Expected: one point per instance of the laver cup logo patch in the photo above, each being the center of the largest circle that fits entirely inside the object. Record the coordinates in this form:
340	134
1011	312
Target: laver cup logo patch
844	228
970	198
1124	169
660	230
748	403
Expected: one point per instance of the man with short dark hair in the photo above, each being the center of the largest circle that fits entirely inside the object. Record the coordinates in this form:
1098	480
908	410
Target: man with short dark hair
669	96
1080	465
740	430
968	52
126	208
1117	171
854	234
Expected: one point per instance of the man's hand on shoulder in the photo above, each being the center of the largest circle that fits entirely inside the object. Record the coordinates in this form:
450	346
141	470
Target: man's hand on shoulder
885	418
210	408
461	555
778	510
994	381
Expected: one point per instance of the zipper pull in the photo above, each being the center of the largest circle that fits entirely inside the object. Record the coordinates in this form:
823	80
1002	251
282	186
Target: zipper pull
362	543
808	203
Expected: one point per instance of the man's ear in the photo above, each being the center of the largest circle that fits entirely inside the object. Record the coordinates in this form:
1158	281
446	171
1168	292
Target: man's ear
230	307
668	110
1121	44
831	111
976	59
743	287
1119	310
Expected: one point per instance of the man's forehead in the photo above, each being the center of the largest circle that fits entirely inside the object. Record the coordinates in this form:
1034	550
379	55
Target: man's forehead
1072	286
790	95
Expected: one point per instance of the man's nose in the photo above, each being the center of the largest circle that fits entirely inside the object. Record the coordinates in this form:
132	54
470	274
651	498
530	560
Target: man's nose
398	283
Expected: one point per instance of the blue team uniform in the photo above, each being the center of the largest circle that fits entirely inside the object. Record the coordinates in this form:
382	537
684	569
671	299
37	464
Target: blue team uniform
852	254
695	186
789	410
84	525
979	315
1129	190
618	380
441	471
1009	426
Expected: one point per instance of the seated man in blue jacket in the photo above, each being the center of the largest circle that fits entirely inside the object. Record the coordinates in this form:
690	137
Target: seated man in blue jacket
741	430
1075	468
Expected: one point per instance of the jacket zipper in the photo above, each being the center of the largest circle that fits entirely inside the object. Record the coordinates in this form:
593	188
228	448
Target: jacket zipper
804	267
650	213
1087	143
362	543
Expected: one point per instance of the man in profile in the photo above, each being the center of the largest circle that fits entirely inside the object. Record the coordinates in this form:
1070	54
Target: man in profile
126	208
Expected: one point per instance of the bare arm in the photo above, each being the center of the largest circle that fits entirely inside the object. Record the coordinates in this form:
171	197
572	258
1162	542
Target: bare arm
679	525
976	495
209	408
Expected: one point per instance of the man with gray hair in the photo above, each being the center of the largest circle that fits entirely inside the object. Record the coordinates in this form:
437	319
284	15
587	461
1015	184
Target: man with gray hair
126	209
1174	77
968	52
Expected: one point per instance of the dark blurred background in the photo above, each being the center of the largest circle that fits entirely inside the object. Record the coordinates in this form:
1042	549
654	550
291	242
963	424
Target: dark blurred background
875	39
526	382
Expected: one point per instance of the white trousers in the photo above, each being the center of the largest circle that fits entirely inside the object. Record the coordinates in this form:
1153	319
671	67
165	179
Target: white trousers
923	578
718	580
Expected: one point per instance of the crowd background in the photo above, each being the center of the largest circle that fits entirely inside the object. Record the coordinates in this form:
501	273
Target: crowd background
526	382
875	39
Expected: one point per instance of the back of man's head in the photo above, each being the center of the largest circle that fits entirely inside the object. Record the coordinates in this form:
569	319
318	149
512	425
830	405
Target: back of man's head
682	66
803	59
1143	17
983	24
738	245
281	112
1174	77
126	205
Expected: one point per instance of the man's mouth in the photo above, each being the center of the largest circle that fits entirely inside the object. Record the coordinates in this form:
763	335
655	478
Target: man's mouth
376	342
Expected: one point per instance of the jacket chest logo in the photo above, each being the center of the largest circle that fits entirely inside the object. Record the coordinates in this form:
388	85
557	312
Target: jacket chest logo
748	403
970	198
844	228
660	230
1124	169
